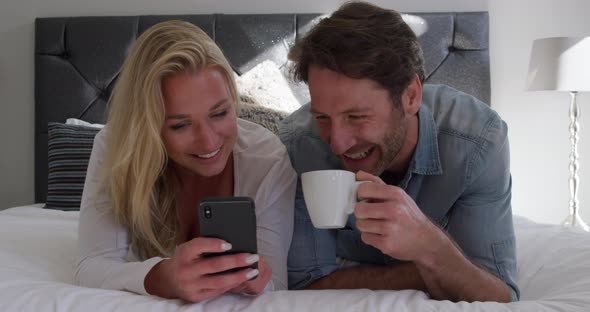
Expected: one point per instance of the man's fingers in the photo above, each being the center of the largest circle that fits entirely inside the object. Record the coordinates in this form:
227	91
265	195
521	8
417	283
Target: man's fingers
373	226
375	192
374	240
380	210
365	176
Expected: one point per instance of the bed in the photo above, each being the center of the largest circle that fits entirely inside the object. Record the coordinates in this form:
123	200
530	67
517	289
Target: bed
76	62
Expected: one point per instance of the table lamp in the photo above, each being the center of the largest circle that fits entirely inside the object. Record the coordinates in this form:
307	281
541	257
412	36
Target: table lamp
563	64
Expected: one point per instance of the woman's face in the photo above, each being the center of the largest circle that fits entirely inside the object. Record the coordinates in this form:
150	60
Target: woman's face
200	128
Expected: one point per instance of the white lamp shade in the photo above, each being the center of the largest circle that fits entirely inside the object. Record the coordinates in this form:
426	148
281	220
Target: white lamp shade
560	64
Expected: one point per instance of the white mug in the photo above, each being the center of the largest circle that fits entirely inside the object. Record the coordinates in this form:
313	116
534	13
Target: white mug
330	196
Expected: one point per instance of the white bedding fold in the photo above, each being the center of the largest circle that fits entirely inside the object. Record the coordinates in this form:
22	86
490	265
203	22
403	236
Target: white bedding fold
38	252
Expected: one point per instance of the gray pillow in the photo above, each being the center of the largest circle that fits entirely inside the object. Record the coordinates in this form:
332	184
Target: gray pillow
69	148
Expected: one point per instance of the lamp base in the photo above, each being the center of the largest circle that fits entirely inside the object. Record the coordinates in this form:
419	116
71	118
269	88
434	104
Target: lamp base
575	221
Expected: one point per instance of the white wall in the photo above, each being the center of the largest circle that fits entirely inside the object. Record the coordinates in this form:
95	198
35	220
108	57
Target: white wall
538	121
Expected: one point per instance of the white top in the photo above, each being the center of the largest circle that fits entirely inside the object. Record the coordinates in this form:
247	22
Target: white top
262	171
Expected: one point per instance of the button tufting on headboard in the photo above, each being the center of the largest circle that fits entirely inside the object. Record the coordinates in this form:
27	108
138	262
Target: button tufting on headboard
77	59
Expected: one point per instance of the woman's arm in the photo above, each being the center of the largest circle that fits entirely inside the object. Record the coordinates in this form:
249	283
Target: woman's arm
104	259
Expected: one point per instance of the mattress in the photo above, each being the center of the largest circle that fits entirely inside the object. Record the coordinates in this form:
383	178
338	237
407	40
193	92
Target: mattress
38	255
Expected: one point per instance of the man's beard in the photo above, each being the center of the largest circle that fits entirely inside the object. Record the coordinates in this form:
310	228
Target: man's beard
392	143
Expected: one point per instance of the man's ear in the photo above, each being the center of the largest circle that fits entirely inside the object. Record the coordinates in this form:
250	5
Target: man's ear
412	96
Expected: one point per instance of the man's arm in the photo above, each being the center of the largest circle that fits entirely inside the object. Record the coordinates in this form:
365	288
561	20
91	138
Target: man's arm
449	275
391	222
374	277
312	261
443	271
480	222
481	219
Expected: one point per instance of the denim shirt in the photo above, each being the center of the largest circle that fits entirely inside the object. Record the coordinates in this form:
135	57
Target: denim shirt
459	177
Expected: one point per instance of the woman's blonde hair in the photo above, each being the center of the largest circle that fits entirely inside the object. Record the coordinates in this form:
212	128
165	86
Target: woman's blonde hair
136	173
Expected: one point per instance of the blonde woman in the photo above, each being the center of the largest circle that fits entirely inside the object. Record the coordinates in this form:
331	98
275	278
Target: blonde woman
172	138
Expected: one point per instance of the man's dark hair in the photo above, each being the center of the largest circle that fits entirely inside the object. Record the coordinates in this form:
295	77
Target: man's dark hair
362	41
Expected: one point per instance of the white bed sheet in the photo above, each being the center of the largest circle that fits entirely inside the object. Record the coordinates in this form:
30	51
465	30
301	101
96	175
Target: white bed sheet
38	251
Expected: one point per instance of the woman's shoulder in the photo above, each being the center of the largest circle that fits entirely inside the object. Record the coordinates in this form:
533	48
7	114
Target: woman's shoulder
101	135
262	163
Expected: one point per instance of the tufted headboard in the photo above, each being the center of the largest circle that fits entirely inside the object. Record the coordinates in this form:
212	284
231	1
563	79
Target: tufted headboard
77	59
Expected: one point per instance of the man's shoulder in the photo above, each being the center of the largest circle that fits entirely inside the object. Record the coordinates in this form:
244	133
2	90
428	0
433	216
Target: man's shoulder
470	135
460	115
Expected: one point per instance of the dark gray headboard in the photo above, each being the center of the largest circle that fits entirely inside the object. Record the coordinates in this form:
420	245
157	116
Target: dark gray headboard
77	59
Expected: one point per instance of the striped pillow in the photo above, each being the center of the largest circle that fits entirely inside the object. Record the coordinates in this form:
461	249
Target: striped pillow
69	148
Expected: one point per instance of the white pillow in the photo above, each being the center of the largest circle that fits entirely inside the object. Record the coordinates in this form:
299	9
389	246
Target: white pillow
268	86
416	23
79	122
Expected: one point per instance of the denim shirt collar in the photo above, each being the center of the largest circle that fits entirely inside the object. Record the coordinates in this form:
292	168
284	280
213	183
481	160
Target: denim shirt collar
426	160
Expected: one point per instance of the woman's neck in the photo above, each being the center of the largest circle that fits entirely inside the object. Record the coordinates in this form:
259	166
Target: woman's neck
218	185
192	189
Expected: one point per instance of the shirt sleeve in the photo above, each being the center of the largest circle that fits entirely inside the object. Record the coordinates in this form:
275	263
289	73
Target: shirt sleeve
275	218
481	219
103	245
313	251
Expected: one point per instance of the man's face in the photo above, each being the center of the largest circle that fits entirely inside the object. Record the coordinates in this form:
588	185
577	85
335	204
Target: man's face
358	119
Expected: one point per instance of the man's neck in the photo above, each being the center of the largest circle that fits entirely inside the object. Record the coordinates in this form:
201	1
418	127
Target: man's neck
392	178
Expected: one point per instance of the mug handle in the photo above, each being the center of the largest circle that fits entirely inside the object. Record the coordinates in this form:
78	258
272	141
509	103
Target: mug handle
350	209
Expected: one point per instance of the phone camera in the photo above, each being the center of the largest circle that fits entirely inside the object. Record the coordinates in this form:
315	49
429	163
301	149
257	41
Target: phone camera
208	212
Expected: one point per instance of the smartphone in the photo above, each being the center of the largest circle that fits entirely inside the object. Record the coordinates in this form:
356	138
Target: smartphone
232	219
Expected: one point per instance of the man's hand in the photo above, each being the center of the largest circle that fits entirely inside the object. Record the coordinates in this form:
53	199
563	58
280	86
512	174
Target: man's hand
390	220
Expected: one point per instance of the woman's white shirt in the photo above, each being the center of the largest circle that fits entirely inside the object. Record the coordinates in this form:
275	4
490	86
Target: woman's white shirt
262	171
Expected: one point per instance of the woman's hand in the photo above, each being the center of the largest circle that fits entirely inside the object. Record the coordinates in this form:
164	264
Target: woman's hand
257	285
191	276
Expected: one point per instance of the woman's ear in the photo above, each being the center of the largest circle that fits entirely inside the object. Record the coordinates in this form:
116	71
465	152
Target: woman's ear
412	96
